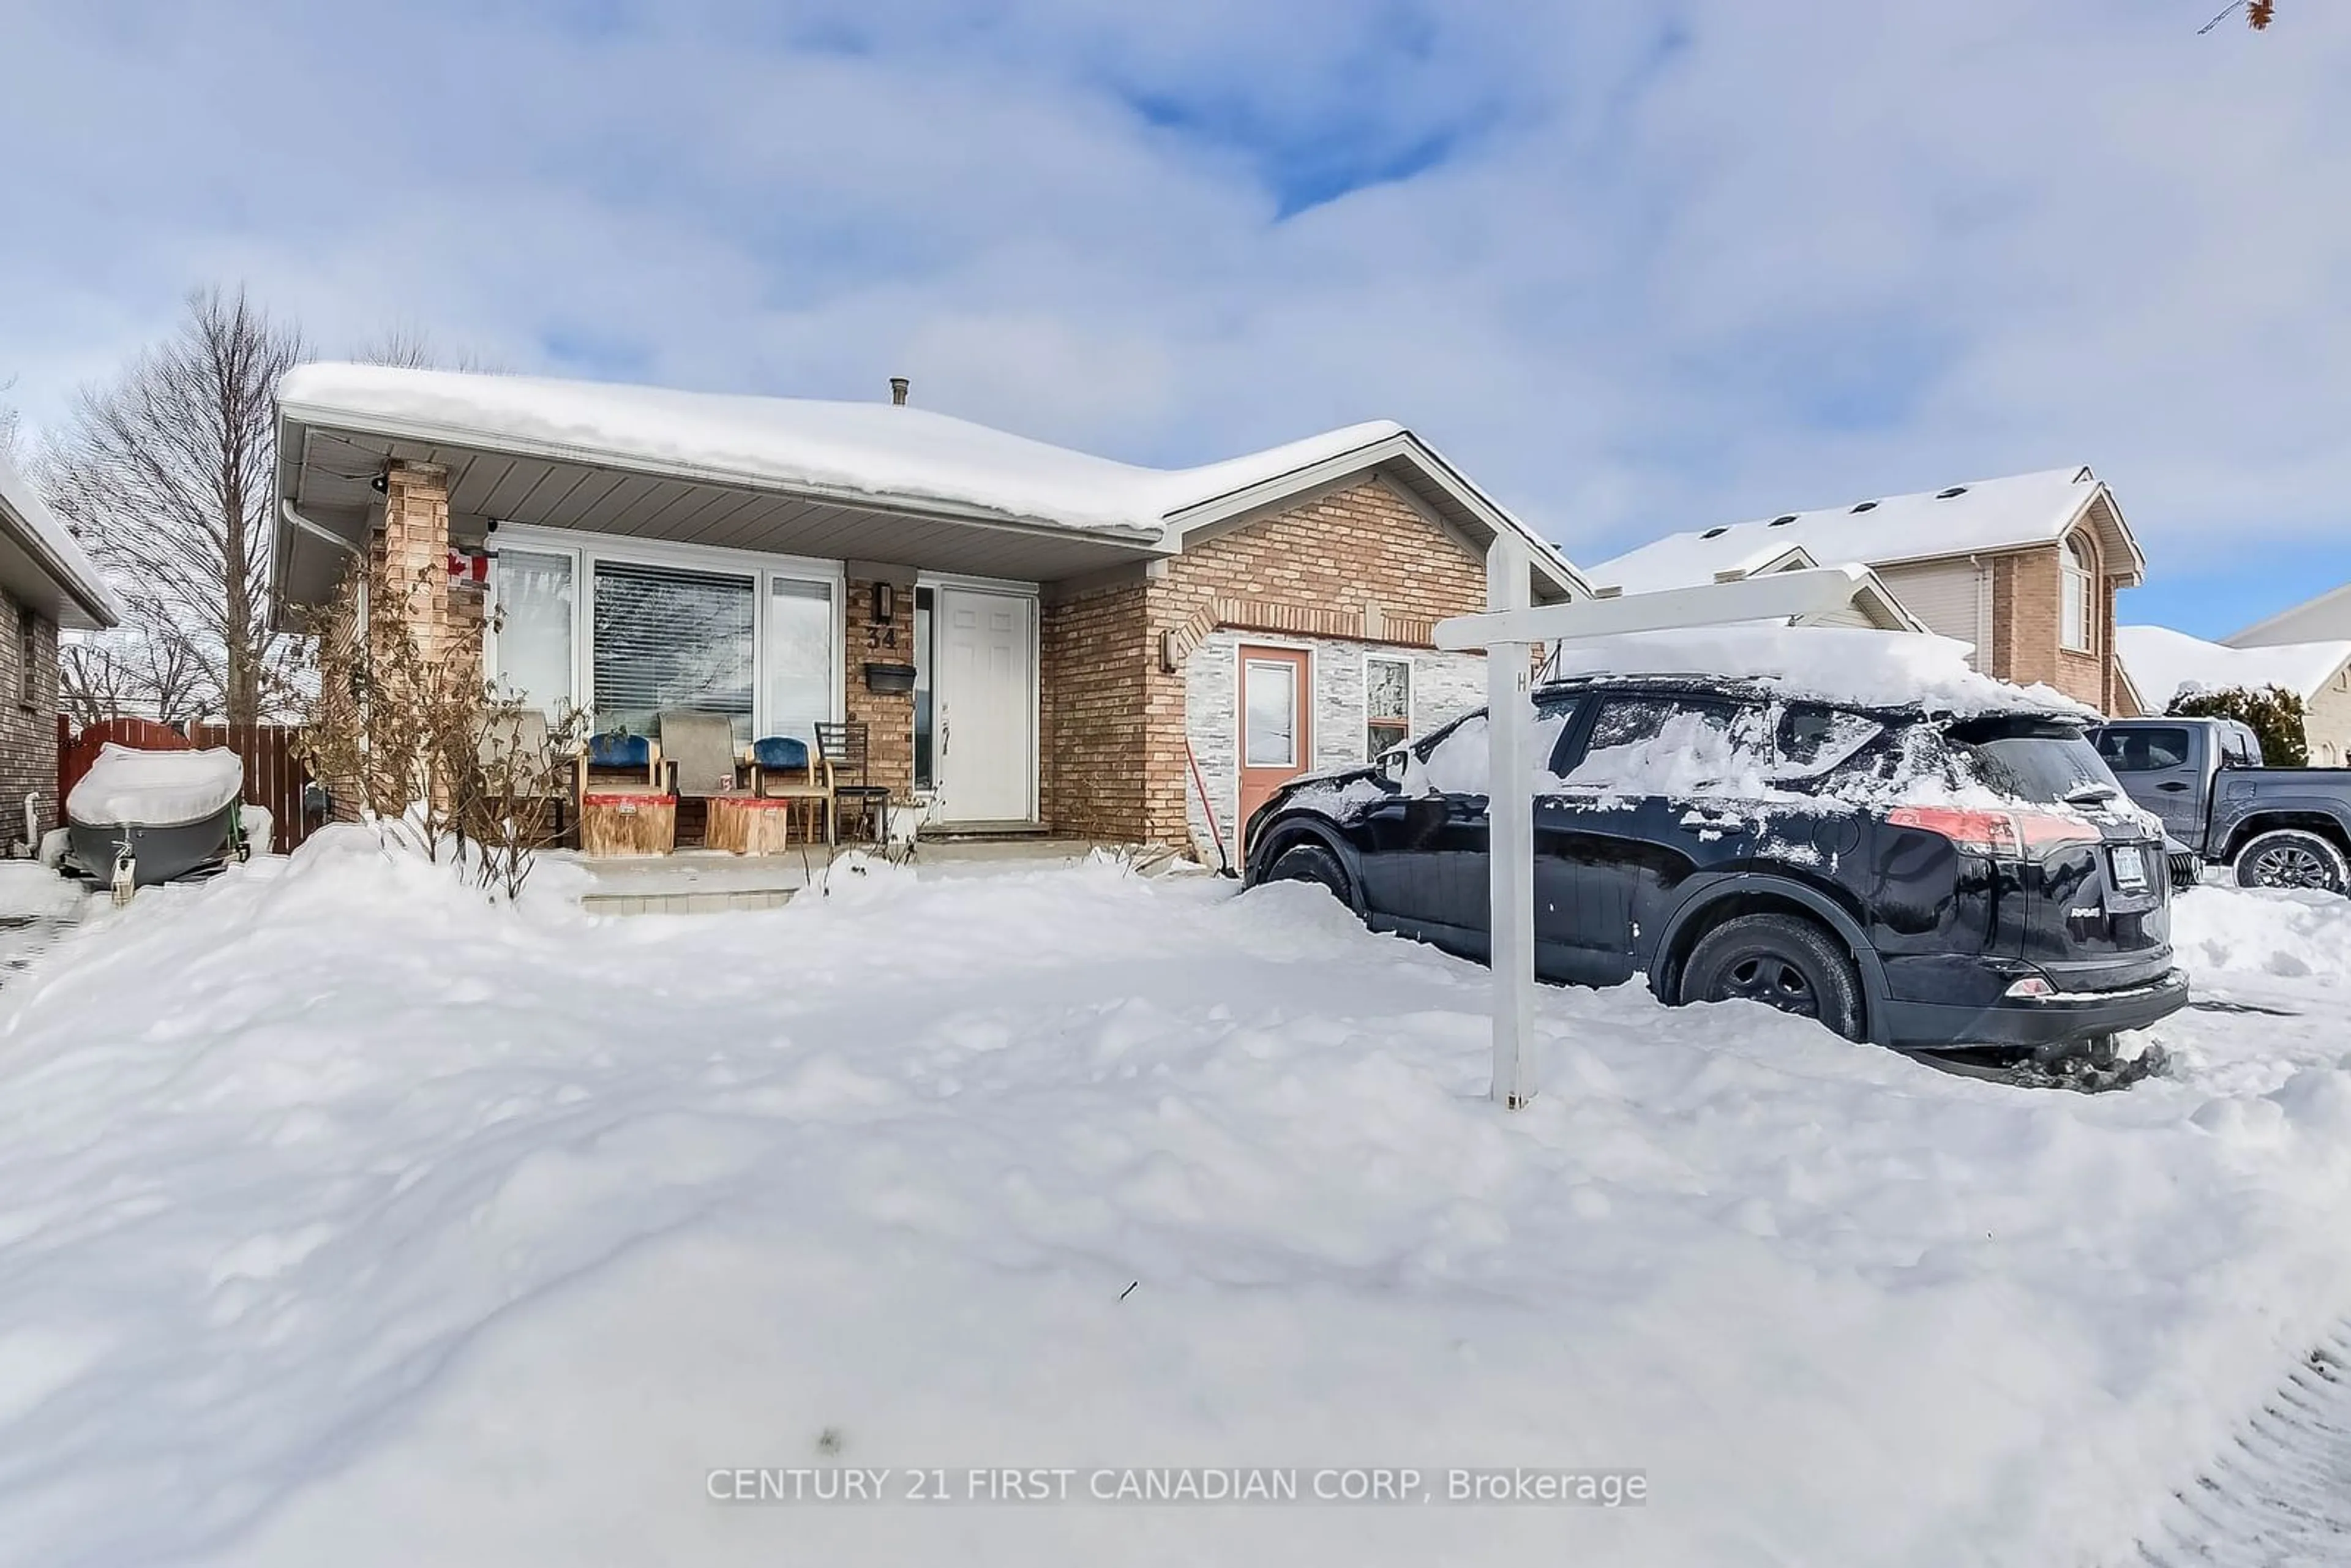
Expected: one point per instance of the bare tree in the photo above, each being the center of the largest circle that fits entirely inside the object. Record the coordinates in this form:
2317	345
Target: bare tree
108	675
12	430
167	478
413	348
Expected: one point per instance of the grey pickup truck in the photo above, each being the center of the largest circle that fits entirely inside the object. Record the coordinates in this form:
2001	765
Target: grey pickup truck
2275	827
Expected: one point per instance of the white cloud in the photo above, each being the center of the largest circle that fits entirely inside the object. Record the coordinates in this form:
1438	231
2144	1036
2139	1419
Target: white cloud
1792	256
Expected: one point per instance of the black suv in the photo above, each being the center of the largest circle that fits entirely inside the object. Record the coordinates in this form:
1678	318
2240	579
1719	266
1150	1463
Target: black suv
1726	841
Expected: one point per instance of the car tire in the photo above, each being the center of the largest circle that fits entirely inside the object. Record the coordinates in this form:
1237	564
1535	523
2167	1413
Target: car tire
1313	863
1783	961
2293	858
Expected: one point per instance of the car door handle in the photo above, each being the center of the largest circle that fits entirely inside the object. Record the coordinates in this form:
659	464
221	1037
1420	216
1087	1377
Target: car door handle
2173	788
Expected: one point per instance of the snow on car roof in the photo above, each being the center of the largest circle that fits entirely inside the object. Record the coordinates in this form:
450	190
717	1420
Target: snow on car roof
876	449
1846	665
2162	662
1981	515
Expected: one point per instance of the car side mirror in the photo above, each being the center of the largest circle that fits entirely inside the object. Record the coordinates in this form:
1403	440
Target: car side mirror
1390	765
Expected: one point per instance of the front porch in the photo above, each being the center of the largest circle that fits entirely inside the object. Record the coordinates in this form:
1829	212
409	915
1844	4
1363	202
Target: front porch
711	882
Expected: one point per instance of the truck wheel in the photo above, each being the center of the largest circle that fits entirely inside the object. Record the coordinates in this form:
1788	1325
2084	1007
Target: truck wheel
1313	863
2293	858
1783	962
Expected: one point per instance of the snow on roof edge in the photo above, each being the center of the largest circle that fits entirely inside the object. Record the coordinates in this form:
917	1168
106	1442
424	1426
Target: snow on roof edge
54	547
2163	663
860	450
1977	515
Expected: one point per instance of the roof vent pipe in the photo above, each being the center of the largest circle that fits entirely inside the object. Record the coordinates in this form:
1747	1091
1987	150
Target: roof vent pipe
898	389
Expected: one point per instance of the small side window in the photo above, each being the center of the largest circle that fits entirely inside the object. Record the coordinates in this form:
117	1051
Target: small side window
28	657
1388	703
1813	740
1669	744
2143	750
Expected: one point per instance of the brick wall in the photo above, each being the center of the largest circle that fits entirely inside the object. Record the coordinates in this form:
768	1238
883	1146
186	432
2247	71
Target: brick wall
1360	563
888	716
2028	624
1095	659
28	723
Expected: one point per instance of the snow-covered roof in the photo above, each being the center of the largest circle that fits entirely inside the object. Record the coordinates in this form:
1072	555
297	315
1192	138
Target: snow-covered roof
1982	515
1843	664
873	450
44	566
2161	662
2308	621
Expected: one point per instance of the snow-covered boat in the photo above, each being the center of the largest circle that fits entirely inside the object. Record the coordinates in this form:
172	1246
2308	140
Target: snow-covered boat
166	813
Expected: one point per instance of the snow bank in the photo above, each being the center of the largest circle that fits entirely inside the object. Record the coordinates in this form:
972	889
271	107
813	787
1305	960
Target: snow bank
1825	664
864	448
31	891
347	1218
162	787
2264	930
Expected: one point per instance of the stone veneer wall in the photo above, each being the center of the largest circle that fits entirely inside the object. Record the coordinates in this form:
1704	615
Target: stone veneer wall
1444	687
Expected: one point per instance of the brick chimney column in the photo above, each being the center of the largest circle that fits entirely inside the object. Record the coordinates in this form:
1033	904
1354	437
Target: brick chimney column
415	565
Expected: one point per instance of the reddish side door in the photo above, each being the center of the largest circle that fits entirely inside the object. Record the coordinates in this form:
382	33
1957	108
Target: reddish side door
1276	720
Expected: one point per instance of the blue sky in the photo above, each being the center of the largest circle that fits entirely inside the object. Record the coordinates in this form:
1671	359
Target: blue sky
1635	268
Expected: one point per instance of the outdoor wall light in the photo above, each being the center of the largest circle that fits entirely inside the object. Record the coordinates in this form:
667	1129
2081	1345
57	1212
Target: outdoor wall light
885	603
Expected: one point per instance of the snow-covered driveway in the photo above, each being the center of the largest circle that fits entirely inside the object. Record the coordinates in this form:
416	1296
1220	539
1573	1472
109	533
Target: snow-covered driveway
345	1218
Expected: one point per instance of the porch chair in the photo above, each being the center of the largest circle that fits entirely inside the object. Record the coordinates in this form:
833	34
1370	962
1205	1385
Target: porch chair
698	749
519	740
783	767
625	760
844	747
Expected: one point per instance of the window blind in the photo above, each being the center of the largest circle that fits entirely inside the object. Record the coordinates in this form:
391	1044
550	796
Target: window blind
670	638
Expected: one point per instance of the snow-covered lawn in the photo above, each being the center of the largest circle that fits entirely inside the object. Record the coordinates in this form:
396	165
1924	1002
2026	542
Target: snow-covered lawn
345	1218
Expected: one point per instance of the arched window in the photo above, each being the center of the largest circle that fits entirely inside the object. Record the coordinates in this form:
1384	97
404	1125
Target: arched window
2076	619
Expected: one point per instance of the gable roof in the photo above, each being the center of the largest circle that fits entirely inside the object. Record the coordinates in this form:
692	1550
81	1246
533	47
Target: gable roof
866	455
2161	662
1981	517
44	566
2327	612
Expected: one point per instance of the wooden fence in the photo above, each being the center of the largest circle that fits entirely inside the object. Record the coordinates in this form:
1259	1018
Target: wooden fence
273	775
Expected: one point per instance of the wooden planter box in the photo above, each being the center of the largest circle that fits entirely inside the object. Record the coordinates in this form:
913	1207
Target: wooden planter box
751	825
615	822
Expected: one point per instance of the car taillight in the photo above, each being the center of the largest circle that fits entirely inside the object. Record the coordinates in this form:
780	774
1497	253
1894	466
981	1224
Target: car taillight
1996	832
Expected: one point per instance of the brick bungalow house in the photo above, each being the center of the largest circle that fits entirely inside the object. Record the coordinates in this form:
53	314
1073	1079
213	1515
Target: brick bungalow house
45	584
1082	632
2022	569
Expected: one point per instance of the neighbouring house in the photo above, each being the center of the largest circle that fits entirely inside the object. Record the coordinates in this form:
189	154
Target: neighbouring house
2164	664
2325	619
2023	568
46	583
1037	639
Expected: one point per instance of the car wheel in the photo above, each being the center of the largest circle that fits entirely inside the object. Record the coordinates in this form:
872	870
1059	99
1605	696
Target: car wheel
1783	962
2293	858
1313	863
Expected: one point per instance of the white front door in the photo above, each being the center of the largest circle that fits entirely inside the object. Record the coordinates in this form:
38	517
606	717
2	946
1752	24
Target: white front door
987	703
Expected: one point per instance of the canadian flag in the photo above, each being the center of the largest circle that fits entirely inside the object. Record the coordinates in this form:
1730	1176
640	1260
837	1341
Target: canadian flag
471	567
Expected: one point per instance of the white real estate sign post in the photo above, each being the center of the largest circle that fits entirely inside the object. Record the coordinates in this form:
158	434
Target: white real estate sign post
1509	632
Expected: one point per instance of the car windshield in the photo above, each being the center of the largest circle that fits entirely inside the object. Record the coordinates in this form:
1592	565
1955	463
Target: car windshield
2031	759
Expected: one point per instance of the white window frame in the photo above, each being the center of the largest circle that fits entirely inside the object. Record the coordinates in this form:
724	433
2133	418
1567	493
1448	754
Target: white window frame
585	550
1411	693
2076	595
